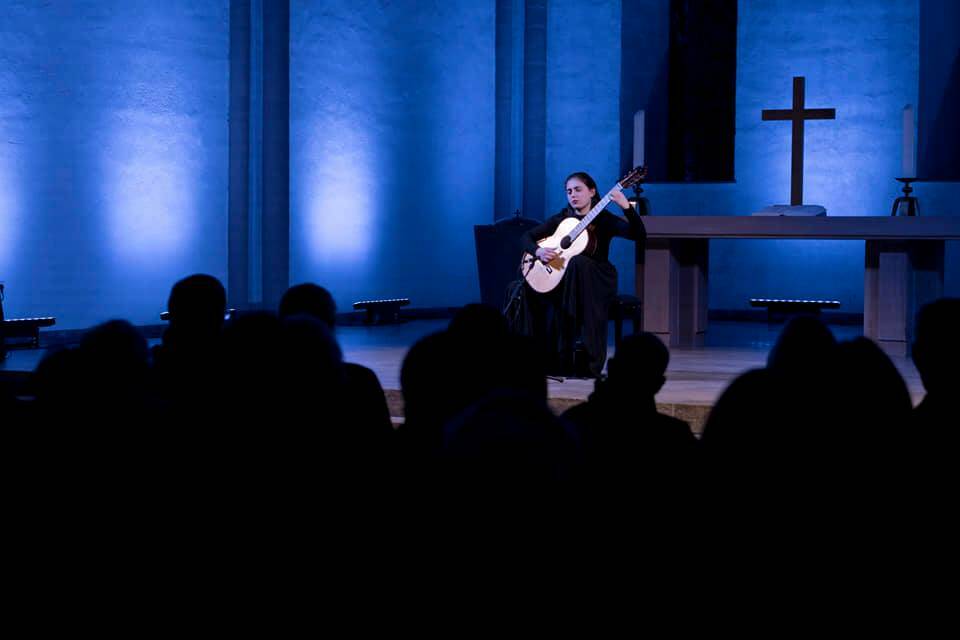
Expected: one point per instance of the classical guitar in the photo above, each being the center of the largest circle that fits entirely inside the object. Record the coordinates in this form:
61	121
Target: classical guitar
571	238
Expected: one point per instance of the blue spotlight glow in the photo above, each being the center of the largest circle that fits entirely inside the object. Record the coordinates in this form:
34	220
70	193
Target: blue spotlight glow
149	168
338	196
9	214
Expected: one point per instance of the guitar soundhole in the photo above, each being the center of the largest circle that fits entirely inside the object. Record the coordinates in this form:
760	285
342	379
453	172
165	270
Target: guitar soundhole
566	242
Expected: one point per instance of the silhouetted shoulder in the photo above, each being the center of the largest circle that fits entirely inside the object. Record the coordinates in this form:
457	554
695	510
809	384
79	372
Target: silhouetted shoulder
366	396
360	374
675	428
579	413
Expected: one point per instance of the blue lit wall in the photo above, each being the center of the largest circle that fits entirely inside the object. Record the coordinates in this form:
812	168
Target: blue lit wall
858	57
392	147
114	144
938	129
113	154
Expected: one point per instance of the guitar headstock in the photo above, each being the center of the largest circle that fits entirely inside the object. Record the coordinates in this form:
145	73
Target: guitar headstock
633	176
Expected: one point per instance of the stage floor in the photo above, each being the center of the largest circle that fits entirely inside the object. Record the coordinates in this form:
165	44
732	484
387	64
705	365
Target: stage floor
695	378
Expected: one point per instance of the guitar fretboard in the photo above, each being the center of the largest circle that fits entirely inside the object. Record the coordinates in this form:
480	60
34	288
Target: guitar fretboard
587	219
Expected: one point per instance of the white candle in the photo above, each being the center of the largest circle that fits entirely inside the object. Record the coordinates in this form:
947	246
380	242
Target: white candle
638	121
909	165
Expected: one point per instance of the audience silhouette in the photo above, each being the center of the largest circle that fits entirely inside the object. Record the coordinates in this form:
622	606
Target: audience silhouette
628	445
936	354
369	412
188	364
263	412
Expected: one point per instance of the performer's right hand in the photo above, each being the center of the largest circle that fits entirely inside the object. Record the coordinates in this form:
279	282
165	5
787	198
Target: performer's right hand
546	255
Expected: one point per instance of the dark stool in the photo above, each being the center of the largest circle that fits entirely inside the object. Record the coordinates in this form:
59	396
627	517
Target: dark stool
625	307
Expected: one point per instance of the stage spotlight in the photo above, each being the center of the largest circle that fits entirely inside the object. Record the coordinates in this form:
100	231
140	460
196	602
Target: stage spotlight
382	311
165	315
27	330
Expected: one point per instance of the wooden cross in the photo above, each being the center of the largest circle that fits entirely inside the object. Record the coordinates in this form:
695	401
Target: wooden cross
798	114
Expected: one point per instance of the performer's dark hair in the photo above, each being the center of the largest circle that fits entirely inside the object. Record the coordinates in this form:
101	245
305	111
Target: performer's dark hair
585	178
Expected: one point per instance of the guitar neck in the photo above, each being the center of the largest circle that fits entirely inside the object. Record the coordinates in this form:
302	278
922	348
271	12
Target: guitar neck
587	219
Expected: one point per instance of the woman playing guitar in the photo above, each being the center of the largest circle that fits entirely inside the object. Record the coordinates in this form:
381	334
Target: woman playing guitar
577	307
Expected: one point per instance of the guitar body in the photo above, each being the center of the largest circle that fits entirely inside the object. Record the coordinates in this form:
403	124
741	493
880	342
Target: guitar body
579	236
545	277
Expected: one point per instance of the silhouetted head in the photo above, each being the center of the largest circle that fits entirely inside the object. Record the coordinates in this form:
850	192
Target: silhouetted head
197	304
309	299
115	368
522	367
311	351
874	392
57	380
806	346
639	363
581	190
428	380
745	421
117	351
936	347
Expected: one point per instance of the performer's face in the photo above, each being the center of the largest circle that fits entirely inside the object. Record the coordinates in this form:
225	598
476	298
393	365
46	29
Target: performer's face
579	195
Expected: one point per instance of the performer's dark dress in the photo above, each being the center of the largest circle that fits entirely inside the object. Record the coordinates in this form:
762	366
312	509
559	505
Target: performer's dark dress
579	306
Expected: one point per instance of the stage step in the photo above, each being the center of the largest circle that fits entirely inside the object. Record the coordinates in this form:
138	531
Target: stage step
693	414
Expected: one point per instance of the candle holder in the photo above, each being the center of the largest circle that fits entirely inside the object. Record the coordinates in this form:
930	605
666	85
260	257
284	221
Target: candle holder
906	205
640	204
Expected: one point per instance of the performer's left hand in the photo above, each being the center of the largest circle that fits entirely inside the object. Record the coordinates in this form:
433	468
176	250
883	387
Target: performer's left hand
620	199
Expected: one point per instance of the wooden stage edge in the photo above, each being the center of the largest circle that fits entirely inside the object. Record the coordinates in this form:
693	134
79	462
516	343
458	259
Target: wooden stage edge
694	414
696	378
